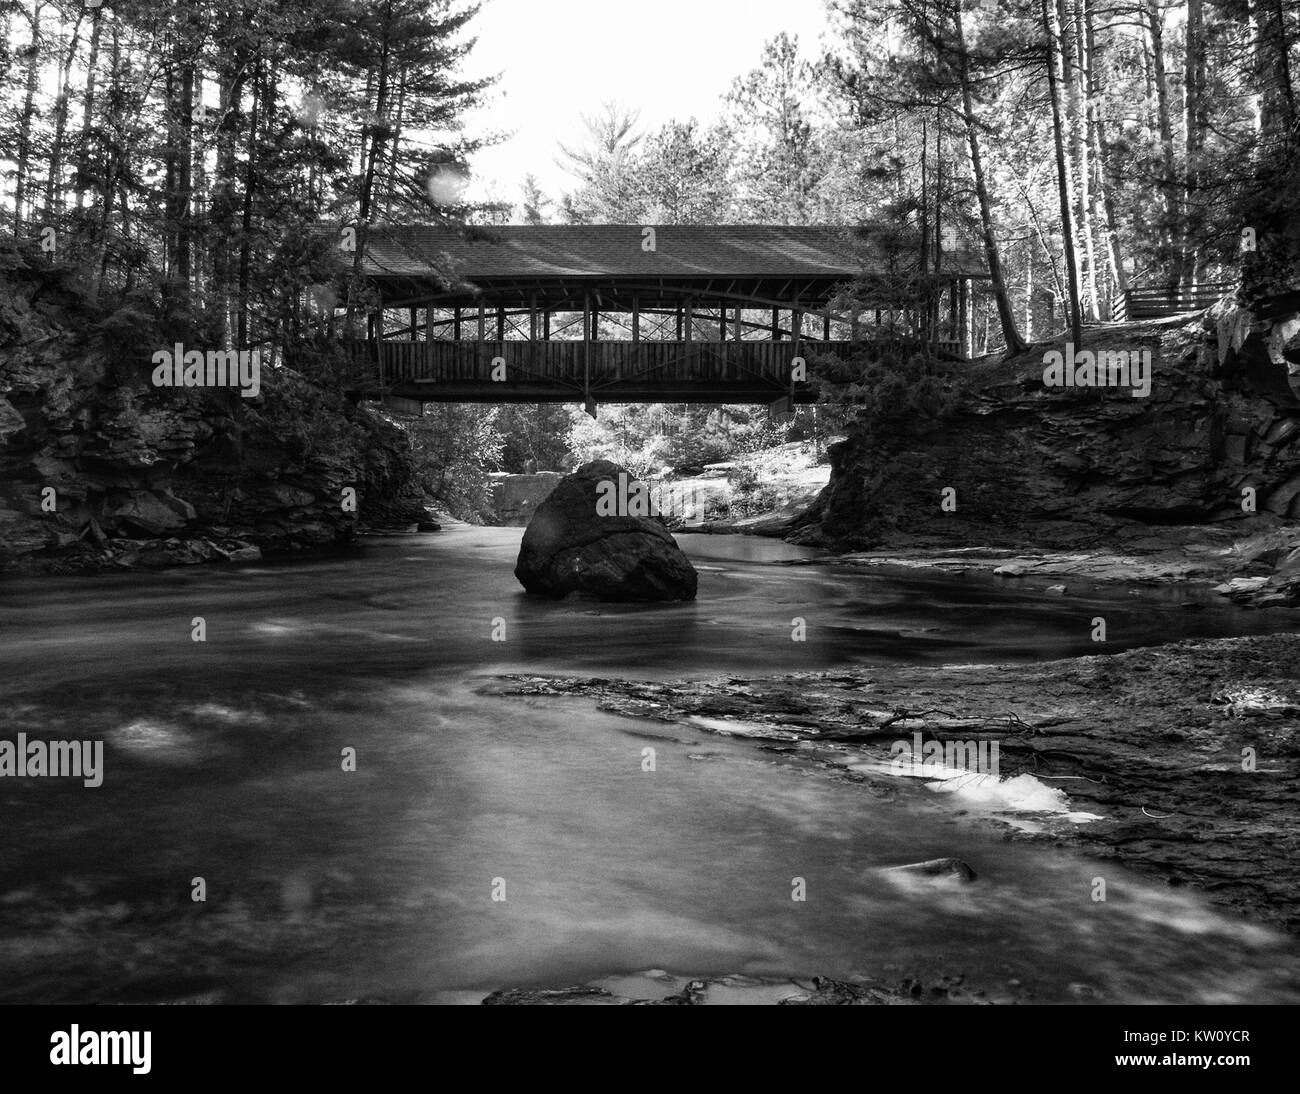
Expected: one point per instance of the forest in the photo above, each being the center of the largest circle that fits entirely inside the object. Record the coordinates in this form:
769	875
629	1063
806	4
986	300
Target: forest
195	163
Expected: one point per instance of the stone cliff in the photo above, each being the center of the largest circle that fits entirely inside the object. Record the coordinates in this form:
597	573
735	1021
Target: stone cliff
101	469
1215	442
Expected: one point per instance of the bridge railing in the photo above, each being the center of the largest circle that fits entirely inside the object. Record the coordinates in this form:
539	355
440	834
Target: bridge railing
608	362
1158	303
598	363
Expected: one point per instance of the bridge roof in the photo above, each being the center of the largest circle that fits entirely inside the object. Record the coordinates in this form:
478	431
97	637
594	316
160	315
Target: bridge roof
747	257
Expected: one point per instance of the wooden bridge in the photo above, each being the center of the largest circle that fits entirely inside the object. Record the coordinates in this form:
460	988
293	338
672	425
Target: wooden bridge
617	313
1159	303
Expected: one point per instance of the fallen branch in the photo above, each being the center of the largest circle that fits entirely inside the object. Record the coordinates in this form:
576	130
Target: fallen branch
901	715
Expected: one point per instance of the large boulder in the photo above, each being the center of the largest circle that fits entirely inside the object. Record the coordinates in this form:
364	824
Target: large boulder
570	547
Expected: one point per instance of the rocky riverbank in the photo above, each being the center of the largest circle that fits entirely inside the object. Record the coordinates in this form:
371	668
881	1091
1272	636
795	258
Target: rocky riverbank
1186	755
1208	461
1259	571
656	988
101	469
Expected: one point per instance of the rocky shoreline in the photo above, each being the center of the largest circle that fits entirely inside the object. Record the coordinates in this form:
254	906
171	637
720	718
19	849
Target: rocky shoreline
1258	571
1254	564
1186	753
656	988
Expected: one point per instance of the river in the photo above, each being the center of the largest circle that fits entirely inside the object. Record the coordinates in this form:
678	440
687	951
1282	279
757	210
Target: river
223	760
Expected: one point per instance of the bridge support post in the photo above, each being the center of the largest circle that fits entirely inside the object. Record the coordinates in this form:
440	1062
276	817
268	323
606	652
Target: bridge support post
637	354
689	371
482	337
952	307
588	318
963	317
796	333
532	332
721	368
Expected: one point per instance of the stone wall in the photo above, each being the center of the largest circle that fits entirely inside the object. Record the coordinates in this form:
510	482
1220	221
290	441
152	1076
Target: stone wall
515	498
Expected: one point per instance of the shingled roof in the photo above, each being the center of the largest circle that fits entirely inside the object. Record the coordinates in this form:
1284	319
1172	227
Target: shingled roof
615	250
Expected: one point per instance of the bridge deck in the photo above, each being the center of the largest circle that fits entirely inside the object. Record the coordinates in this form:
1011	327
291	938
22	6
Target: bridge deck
612	371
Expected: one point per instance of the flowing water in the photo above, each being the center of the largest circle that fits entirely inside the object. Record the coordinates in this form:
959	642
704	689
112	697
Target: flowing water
222	761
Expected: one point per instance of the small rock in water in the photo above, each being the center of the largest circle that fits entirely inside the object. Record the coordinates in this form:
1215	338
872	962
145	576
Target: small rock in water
1056	590
552	997
939	867
1011	569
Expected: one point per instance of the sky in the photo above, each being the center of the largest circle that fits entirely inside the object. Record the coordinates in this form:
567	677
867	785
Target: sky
559	59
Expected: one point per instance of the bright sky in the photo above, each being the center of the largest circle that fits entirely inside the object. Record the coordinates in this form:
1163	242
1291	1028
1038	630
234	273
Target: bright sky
560	58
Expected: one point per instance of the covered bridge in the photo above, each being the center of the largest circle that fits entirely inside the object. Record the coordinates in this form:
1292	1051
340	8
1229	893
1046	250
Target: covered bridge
633	313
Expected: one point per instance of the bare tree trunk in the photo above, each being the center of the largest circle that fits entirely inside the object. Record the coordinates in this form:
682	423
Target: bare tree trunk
180	149
1054	79
1042	242
1080	107
1101	158
246	222
1169	248
112	161
54	180
378	135
933	318
1029	291
197	226
1015	344
924	253
23	152
1195	122
88	108
230	82
185	175
396	142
